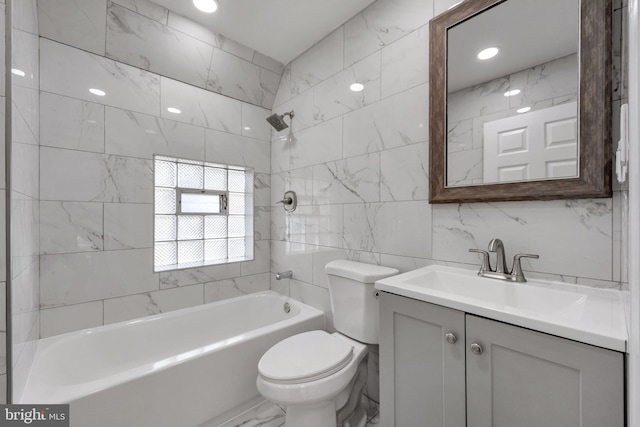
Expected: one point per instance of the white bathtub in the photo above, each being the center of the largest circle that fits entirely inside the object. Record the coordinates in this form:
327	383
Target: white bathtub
178	369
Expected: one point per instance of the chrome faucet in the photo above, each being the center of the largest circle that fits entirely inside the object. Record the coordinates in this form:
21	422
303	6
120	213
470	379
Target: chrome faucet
496	245
284	275
501	272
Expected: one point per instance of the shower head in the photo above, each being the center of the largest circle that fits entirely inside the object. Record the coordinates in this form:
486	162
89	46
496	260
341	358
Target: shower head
277	120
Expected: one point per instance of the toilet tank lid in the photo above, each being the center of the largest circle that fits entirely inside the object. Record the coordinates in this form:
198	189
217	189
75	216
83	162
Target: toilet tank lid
361	272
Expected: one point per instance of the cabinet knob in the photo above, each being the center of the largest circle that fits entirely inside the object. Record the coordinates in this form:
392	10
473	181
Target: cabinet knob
451	338
476	348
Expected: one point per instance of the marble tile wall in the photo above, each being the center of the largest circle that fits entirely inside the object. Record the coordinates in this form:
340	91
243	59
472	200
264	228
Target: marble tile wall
96	174
149	37
542	86
25	189
359	163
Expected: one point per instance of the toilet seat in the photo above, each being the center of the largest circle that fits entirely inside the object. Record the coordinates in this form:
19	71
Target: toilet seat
305	357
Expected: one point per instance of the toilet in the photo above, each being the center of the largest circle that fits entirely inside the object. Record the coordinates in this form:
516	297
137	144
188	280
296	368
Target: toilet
319	377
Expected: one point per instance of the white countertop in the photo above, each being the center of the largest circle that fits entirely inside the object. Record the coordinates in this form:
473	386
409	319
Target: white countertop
589	315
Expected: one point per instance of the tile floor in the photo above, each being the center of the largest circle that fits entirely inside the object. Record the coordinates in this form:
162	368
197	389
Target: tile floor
267	414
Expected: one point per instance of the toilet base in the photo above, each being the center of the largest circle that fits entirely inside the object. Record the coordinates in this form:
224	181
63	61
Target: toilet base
357	419
351	412
322	414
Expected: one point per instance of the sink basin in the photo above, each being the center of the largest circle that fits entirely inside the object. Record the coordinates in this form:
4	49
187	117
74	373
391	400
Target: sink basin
467	284
594	316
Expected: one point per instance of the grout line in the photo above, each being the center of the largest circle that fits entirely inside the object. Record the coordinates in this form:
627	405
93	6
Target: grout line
106	26
104	244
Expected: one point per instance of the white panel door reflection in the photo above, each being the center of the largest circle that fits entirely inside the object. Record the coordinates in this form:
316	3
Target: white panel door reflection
541	144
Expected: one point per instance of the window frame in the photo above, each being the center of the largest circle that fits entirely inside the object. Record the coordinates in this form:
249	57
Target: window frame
224	201
231	238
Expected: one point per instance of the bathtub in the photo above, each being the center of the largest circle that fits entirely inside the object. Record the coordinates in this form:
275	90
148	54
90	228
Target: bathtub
185	368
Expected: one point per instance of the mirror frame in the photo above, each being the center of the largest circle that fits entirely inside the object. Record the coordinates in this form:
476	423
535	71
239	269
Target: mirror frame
595	95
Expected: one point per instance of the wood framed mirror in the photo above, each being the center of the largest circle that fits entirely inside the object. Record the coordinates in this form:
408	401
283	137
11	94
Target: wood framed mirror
533	123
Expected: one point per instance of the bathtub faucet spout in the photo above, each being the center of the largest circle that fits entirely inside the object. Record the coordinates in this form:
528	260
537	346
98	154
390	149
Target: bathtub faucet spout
284	275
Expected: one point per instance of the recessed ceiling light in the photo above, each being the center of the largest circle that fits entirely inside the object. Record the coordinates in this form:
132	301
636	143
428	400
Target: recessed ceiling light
247	128
357	87
97	92
93	122
513	92
206	6
173	110
488	53
523	110
150	131
18	72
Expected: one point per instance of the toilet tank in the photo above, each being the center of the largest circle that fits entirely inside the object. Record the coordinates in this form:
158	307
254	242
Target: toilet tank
354	299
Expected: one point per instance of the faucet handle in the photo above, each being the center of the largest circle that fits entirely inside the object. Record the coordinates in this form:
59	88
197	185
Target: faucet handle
486	264
518	256
517	266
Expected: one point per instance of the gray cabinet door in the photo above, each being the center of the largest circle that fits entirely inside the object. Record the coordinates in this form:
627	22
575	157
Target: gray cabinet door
529	379
421	374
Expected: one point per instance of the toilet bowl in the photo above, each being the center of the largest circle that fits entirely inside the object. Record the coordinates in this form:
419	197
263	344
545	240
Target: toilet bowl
310	374
316	374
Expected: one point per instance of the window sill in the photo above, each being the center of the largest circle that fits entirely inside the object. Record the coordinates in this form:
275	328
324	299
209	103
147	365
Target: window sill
197	264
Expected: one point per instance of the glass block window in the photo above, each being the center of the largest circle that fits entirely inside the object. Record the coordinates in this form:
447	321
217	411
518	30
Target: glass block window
203	213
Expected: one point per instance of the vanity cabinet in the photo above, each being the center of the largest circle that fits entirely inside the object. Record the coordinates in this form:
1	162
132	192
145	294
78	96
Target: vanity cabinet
492	375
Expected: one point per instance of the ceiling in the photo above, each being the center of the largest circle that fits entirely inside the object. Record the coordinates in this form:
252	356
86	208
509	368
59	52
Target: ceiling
281	29
528	33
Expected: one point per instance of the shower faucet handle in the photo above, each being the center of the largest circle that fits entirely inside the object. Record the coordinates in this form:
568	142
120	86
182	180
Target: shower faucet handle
289	201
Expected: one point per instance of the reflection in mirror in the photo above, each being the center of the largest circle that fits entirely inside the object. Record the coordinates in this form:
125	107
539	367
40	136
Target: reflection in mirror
513	116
